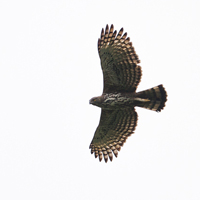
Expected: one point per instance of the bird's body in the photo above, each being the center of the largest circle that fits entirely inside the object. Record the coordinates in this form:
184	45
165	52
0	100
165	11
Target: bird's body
111	101
116	100
122	75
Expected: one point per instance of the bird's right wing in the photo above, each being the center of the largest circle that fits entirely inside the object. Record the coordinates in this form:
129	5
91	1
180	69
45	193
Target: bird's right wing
114	128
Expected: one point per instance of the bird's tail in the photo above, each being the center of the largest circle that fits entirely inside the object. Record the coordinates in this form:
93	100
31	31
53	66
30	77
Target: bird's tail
152	99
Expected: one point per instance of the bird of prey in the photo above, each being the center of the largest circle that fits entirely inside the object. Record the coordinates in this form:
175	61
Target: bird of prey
121	74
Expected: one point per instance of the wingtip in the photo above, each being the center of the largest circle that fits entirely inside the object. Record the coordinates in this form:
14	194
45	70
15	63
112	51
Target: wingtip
102	31
106	158
121	30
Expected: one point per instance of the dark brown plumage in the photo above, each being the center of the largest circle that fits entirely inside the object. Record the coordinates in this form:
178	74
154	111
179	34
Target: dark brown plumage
122	75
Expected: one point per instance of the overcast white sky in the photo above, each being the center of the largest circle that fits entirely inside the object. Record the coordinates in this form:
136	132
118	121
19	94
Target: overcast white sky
50	68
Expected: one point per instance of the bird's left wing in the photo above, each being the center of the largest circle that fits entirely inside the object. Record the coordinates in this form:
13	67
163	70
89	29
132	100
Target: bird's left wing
119	61
114	128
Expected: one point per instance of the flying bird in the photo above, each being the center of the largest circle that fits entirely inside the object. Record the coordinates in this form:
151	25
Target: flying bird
121	76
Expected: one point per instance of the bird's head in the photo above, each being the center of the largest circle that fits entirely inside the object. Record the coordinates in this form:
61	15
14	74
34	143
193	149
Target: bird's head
97	101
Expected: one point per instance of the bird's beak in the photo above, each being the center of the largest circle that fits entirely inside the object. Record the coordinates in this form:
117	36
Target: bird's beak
90	101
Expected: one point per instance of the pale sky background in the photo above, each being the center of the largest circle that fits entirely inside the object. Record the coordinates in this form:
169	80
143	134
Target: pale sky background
50	68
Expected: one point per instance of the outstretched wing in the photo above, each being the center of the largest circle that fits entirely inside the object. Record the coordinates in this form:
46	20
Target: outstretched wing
119	62
114	128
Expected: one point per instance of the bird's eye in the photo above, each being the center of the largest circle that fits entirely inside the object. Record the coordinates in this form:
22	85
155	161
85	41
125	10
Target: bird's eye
94	99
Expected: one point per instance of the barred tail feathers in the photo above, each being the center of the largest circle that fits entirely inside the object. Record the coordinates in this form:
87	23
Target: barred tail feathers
152	99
